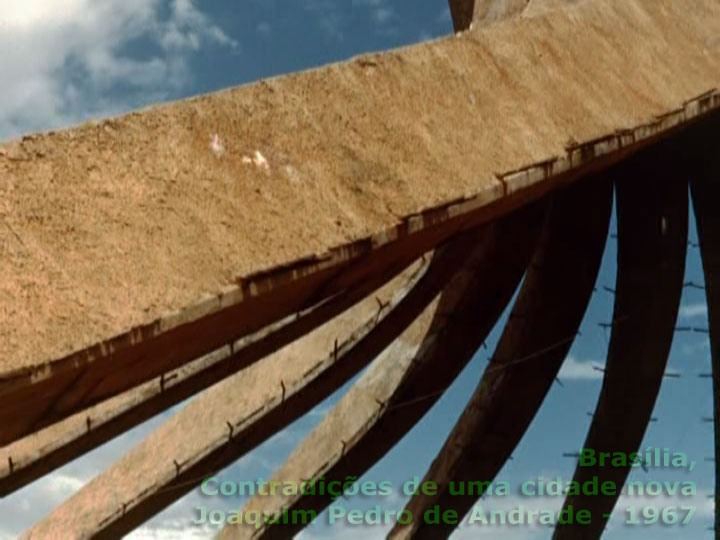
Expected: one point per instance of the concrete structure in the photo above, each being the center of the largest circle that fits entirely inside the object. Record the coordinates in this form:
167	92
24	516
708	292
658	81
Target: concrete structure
585	105
652	210
541	328
129	284
398	389
703	166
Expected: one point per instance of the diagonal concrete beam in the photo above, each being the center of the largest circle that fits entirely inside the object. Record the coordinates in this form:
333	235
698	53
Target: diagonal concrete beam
704	170
540	331
396	392
652	216
222	424
124	192
32	457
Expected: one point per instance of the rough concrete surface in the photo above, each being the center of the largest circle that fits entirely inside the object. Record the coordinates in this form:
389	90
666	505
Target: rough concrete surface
127	222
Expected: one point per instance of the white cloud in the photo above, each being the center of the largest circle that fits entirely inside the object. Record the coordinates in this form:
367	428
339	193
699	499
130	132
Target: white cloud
328	17
34	13
576	369
345	531
64	485
692	311
323	531
700	346
67	60
381	12
334	20
27	506
264	27
171	531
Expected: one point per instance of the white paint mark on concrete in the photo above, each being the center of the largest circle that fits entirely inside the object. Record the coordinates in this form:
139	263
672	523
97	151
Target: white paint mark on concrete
216	145
292	174
260	161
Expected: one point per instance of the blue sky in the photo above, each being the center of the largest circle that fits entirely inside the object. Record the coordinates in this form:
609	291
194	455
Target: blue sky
68	60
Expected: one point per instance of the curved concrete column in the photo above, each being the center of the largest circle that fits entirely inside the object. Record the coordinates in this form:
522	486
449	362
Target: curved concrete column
704	167
540	330
230	419
402	385
469	12
652	215
32	457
